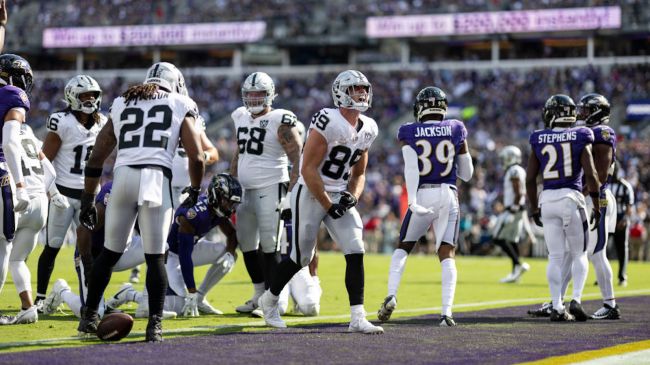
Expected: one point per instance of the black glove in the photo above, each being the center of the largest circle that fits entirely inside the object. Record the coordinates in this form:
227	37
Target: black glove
88	212
285	214
537	218
336	211
595	219
192	196
347	200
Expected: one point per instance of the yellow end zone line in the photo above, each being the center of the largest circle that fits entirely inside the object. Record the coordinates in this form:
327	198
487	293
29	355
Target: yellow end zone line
592	354
314	320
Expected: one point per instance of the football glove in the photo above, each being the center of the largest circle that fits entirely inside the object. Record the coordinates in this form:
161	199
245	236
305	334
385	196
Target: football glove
336	211
284	208
226	261
88	211
59	201
191	306
22	200
192	196
347	200
537	218
419	210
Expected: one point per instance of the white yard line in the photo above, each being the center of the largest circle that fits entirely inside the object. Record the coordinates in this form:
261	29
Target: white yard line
260	323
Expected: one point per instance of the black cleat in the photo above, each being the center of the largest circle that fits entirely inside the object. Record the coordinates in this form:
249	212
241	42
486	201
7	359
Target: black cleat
88	323
543	311
561	317
607	312
154	329
387	308
576	310
447	321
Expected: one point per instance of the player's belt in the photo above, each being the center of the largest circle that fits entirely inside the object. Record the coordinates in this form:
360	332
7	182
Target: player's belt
432	186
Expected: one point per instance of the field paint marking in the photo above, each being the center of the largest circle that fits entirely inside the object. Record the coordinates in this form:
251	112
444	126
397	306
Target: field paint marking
636	357
260	323
627	353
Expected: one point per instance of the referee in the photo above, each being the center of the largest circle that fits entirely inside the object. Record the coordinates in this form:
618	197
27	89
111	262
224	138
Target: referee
624	194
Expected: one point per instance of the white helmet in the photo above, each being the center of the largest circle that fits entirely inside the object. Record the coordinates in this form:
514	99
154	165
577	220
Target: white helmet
167	76
342	89
78	85
258	81
510	155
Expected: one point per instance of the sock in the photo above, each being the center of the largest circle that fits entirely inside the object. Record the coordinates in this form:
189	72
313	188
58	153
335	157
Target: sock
212	277
156	282
252	263
45	268
286	270
21	276
554	277
354	278
259	290
100	276
579	271
604	276
449	276
357	311
397	264
271	261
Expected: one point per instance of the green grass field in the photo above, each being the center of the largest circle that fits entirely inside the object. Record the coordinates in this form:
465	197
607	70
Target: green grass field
478	288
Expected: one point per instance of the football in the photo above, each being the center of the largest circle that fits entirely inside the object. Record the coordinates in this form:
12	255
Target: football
114	326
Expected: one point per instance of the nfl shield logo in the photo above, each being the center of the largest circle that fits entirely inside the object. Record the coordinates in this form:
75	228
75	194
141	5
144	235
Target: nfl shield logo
264	123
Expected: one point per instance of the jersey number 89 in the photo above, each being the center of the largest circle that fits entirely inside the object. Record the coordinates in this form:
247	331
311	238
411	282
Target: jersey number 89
334	167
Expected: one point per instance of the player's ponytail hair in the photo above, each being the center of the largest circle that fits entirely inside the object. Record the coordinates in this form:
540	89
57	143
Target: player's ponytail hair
140	92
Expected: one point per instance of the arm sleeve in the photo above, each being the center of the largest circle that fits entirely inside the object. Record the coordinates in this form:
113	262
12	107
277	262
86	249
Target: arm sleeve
465	167
411	173
50	174
185	247
11	147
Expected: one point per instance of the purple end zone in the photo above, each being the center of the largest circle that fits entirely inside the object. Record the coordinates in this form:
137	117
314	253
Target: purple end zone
495	336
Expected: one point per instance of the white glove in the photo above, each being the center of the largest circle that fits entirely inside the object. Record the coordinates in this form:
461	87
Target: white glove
191	306
60	201
285	203
419	210
227	261
22	200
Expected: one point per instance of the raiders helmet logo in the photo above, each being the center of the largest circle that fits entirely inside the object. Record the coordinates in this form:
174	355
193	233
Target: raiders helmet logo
264	123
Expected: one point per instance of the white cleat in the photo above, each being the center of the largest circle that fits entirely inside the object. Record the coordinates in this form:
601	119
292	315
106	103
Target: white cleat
364	326
271	311
5	319
54	299
247	307
122	296
143	312
206	308
25	316
519	271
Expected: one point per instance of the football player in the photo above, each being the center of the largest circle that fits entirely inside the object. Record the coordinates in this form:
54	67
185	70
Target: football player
15	82
145	125
268	142
332	177
68	143
624	195
435	153
510	222
562	154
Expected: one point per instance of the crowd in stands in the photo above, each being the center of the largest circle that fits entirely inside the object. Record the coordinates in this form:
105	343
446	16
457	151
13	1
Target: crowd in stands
499	108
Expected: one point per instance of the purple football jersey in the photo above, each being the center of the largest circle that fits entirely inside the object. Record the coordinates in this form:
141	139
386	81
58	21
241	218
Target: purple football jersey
604	134
558	151
11	97
437	145
199	216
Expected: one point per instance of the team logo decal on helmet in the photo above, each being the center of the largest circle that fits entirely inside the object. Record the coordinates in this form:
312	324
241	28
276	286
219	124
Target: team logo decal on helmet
559	108
593	109
16	71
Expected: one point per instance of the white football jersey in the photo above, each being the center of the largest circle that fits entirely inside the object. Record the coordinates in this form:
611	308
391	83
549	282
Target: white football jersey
262	160
514	172
30	162
180	167
345	145
76	144
147	131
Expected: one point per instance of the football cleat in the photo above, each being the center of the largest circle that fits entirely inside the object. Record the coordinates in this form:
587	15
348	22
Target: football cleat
387	308
25	316
4	319
543	311
447	321
607	312
508	279
88	323
206	308
519	271
54	299
362	325
122	296
247	307
576	310
622	283
561	317
271	311
38	302
257	313
154	329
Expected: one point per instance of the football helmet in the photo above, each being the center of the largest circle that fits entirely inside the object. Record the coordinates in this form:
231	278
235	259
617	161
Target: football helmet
559	108
255	82
430	100
593	109
224	193
343	91
510	155
167	76
78	85
16	71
